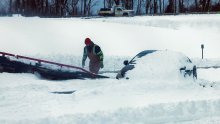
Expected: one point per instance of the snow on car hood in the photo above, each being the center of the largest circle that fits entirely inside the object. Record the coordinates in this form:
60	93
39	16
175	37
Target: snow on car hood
160	65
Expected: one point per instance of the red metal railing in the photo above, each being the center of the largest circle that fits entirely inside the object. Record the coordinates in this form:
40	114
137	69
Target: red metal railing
8	54
45	61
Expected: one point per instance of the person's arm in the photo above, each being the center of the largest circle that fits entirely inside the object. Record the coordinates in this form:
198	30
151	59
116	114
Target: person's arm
99	53
84	57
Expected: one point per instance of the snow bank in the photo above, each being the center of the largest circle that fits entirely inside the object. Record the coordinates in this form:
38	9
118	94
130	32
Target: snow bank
174	22
170	113
206	63
208	69
153	114
209	74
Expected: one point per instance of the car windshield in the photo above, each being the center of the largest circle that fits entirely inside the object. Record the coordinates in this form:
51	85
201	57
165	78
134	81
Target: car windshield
141	54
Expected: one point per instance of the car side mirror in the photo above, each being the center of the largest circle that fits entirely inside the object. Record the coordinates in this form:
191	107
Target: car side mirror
126	62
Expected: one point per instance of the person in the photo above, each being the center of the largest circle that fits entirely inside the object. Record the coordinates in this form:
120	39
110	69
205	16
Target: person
95	55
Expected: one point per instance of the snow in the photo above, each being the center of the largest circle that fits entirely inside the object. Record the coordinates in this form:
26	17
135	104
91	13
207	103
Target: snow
25	98
160	65
140	33
210	74
213	62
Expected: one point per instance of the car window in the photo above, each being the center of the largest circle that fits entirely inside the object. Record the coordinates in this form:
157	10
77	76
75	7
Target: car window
131	64
141	54
119	9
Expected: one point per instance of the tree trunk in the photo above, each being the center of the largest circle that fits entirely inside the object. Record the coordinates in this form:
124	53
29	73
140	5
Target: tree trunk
117	2
155	6
139	7
84	10
74	7
89	7
132	4
196	4
175	10
181	6
163	6
207	6
160	4
47	8
148	2
170	7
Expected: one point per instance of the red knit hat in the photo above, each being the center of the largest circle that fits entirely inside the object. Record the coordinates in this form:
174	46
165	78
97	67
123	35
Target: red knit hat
88	41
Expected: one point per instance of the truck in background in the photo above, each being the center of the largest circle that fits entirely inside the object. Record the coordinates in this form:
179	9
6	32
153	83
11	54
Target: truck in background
117	10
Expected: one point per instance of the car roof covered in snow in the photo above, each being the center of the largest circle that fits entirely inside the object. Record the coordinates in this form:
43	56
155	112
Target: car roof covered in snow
158	64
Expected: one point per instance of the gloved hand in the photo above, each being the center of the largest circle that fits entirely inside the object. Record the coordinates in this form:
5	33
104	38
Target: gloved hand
101	65
83	64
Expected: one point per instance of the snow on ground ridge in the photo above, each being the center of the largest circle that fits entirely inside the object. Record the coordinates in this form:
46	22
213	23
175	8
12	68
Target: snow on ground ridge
154	114
173	22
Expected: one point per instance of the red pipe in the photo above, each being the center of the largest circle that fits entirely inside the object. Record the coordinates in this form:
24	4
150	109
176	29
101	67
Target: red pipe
8	54
40	60
54	63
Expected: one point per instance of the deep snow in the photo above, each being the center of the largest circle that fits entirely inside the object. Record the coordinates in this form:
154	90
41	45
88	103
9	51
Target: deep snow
128	36
27	99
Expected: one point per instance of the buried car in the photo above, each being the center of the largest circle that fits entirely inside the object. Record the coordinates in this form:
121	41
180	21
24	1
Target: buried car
158	64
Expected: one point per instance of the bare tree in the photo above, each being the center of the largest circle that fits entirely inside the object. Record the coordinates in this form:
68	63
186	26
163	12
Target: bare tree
175	6
128	4
74	7
60	8
205	5
139	5
163	6
170	7
147	6
17	6
110	3
160	5
88	5
196	4
117	2
82	10
88	8
85	6
10	7
181	6
155	6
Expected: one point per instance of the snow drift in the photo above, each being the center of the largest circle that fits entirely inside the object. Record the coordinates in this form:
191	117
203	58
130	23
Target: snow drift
26	99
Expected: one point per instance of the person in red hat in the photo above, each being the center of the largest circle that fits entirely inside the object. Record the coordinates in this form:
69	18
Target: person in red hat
95	55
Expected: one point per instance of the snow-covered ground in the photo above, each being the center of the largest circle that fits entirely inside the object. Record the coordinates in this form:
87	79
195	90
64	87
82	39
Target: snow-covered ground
24	98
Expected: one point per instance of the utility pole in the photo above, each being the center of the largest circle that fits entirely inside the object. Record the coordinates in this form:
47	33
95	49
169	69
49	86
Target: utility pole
202	46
